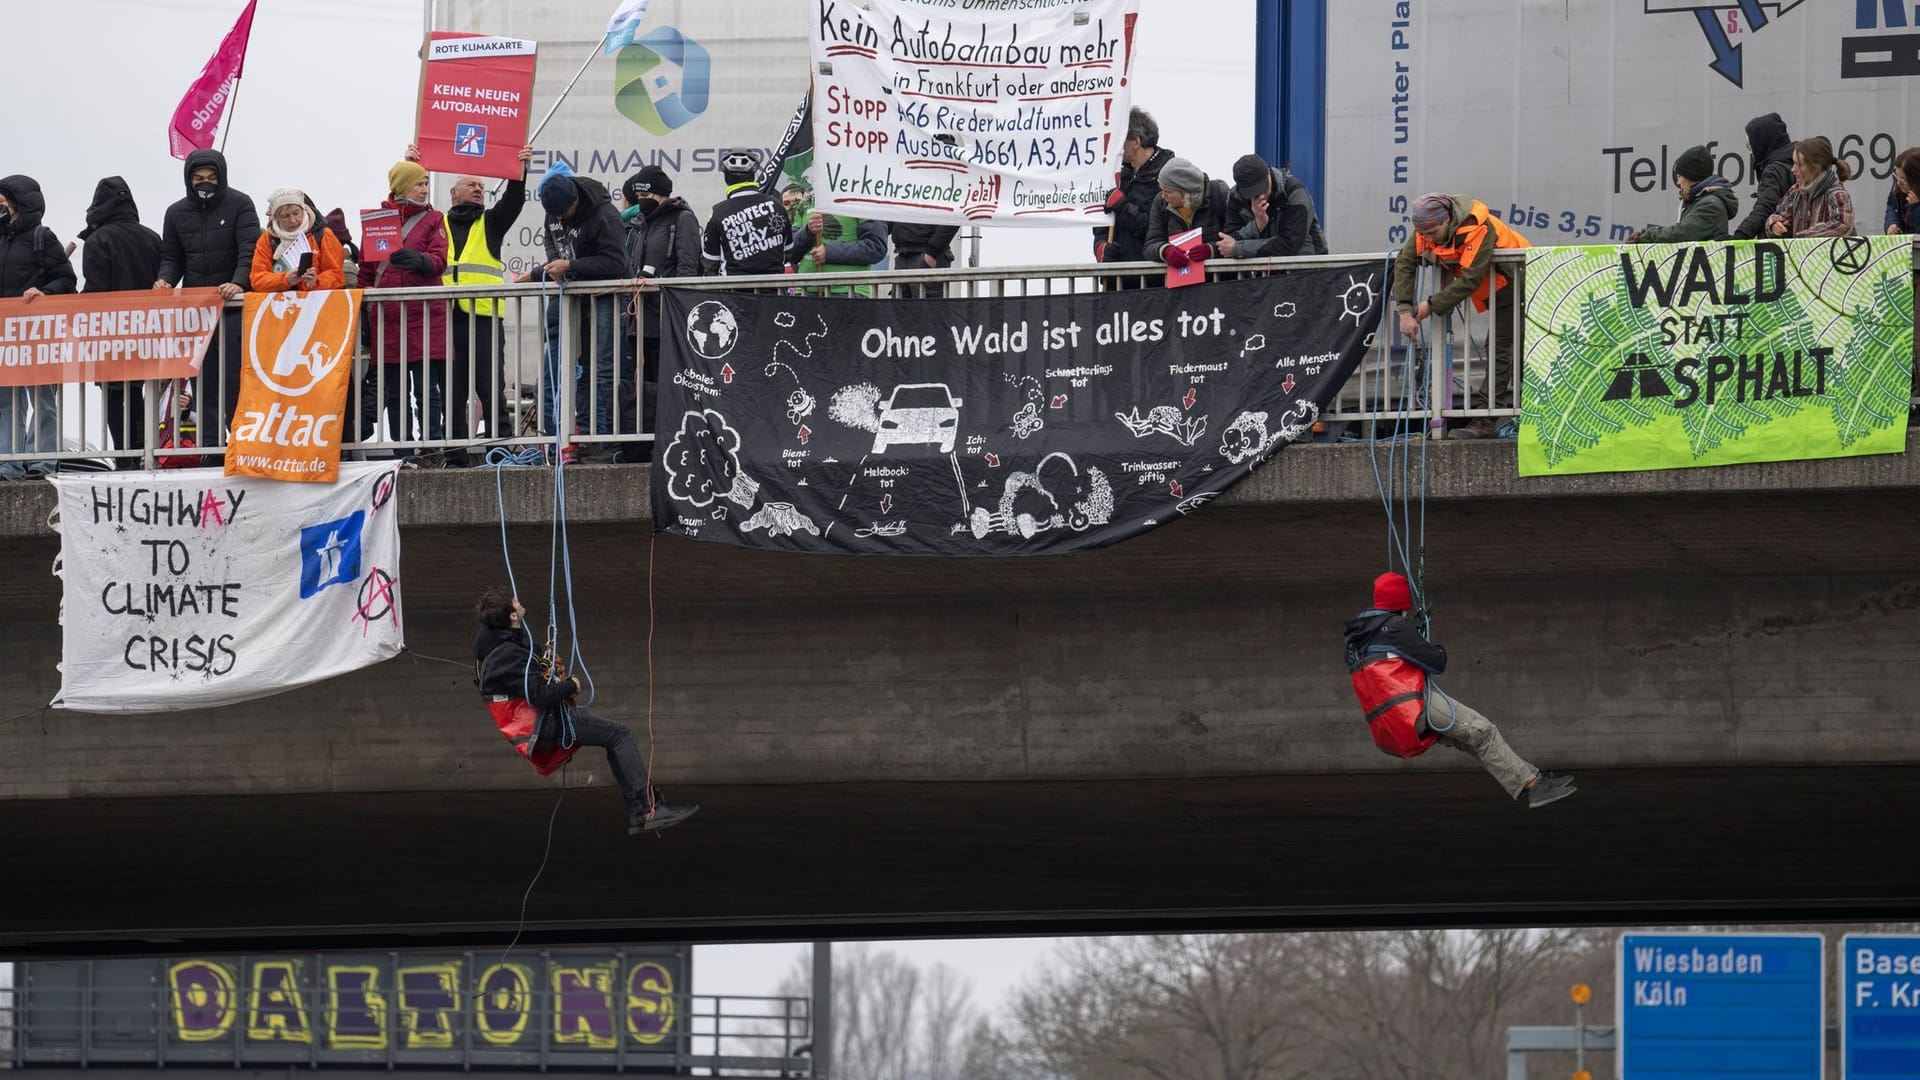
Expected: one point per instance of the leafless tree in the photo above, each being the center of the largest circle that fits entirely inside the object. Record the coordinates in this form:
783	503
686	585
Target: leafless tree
893	1020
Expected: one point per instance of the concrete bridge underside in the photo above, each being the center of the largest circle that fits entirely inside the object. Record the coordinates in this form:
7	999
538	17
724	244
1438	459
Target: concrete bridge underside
1155	735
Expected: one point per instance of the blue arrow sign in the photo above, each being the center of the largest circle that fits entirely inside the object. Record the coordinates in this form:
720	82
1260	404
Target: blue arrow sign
1880	1006
1722	1005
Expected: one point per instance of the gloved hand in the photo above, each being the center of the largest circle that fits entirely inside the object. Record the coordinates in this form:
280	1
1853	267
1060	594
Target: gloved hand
413	262
1175	256
1115	198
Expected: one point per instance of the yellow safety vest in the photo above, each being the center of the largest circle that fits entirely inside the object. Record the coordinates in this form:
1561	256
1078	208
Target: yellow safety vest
473	264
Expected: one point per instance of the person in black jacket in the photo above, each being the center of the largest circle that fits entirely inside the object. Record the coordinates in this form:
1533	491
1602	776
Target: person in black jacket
1383	632
1188	200
922	247
583	223
1136	186
1273	214
120	254
32	265
663	241
748	231
532	703
207	239
478	330
1771	150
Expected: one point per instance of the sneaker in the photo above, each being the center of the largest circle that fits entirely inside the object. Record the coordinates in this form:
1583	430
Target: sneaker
1479	428
1547	788
663	817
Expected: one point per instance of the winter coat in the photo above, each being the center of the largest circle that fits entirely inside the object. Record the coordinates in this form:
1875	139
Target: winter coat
664	242
117	253
208	241
747	233
1392	631
329	262
1213	217
1772	161
1703	215
911	241
1126	239
1293	224
425	231
1474	234
594	236
504	659
1824	209
31	257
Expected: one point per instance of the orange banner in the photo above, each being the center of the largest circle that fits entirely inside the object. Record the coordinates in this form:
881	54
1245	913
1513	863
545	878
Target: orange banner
293	386
106	337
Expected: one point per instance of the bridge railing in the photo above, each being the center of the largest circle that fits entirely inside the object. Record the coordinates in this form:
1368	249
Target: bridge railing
576	360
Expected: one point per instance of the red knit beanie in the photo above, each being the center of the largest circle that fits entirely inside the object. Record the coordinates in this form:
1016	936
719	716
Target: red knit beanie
1391	592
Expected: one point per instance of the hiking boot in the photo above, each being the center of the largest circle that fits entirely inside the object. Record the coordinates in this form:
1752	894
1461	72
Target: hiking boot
1479	428
1547	788
663	816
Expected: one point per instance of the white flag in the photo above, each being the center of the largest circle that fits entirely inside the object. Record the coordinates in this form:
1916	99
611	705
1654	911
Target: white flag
625	24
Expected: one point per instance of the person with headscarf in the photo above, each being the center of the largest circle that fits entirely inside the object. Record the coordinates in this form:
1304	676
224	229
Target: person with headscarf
1459	235
1770	152
1707	203
407	335
1187	200
1818	203
1391	664
119	253
297	252
32	264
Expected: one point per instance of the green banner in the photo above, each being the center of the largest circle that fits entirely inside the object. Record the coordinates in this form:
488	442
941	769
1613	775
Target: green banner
1669	356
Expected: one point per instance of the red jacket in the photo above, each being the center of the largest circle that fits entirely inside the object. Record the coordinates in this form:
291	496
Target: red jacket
516	718
426	321
1385	655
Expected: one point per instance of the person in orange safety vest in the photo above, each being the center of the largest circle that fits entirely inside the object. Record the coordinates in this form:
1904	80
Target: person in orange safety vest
1459	235
1390	662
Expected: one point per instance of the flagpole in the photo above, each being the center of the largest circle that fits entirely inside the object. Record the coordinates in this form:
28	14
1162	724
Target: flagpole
233	103
568	89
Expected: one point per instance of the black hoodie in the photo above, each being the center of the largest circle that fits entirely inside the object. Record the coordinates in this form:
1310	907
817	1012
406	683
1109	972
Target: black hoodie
1391	631
1772	161
502	656
664	242
592	240
209	241
30	255
120	253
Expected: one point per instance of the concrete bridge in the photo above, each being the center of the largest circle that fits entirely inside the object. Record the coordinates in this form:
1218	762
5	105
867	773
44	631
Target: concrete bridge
1156	735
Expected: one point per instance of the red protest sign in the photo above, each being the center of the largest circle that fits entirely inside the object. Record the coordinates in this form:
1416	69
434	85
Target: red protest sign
380	234
476	101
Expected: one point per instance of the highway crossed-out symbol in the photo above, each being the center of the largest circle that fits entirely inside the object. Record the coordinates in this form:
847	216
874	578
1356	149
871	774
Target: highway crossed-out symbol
470	140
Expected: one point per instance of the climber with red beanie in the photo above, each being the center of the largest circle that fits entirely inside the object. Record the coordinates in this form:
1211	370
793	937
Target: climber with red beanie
1391	662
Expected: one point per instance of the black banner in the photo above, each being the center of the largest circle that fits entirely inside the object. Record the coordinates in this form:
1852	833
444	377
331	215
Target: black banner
988	427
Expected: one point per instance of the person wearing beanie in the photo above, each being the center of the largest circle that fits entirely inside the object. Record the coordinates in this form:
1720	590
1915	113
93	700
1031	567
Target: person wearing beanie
748	231
1391	663
297	251
663	241
1135	187
408	335
1770	155
33	264
474	259
1458	234
1187	201
585	242
1707	203
1273	214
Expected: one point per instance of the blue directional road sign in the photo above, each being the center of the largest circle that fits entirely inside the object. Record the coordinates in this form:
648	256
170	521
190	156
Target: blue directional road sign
1880	1007
1722	1005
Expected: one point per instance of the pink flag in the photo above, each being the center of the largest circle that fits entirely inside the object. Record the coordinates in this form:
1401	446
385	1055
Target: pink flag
198	116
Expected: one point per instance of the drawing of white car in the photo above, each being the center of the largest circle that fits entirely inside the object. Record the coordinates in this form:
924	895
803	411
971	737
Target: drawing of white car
918	413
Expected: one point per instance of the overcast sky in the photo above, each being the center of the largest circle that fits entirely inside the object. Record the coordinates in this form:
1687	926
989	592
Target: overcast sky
327	105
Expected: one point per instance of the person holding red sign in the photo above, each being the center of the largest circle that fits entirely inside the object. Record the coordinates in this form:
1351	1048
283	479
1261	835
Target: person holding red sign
408	335
297	252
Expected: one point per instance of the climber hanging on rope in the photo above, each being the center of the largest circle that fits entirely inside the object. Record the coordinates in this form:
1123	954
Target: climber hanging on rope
1392	662
531	698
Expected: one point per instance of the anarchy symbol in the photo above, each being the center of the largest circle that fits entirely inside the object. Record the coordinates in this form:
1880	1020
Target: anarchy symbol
376	600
